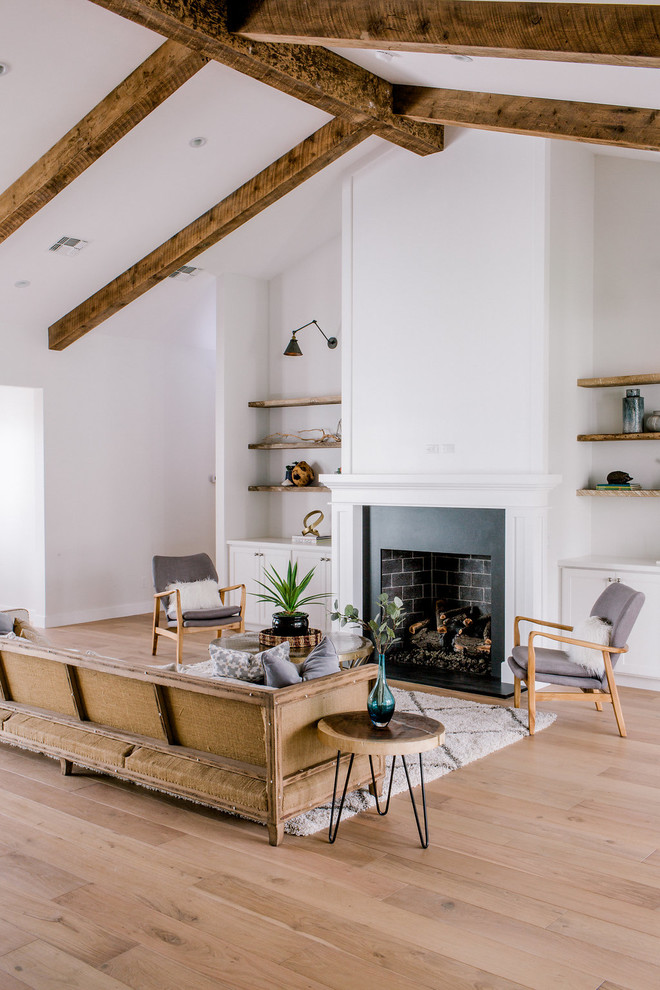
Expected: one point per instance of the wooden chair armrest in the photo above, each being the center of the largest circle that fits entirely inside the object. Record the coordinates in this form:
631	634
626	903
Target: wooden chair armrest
539	622
235	587
167	594
576	642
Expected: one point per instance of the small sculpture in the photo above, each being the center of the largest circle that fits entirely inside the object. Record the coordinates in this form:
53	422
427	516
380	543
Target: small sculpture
308	528
288	481
302	474
618	478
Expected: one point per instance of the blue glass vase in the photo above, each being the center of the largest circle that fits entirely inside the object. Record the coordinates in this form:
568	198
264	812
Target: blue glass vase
380	704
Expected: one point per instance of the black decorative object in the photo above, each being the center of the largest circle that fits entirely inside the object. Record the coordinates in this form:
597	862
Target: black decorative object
633	411
290	623
618	478
293	347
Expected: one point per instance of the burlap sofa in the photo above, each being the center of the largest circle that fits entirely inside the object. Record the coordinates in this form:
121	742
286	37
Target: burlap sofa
243	748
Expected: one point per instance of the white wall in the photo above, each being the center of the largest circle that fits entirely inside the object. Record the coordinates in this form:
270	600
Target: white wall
446	308
626	342
128	450
241	376
309	290
22	568
570	296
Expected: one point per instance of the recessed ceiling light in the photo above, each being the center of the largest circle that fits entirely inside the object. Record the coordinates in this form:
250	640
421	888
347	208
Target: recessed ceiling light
21	284
386	56
462	58
4	68
197	142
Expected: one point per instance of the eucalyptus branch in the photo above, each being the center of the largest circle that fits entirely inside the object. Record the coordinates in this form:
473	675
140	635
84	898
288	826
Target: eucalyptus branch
382	628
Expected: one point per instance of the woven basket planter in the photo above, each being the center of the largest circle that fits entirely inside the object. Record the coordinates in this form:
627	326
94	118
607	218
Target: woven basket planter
300	645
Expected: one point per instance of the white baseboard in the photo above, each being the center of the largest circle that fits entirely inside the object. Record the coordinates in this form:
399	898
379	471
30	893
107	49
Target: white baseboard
96	614
637	681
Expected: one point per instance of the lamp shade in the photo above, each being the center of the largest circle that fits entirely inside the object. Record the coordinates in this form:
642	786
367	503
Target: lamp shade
293	348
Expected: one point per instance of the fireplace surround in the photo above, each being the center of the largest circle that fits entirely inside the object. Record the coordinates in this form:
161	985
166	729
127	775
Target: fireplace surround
518	501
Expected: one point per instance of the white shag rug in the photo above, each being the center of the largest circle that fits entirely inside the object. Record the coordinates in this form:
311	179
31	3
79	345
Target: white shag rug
472	730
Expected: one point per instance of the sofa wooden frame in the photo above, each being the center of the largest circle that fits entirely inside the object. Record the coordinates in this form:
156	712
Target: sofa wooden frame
51	694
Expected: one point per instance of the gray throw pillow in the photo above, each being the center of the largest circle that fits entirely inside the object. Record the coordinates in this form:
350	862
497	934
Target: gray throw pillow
236	663
322	660
6	624
279	671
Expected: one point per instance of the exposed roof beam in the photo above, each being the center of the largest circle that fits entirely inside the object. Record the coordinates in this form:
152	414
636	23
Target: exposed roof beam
275	181
130	102
624	127
314	75
617	34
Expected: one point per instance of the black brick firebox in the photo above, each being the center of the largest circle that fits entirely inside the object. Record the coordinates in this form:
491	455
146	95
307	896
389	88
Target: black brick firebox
425	553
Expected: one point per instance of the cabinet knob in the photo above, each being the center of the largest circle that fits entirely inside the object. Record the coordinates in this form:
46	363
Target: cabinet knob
326	558
258	554
612	580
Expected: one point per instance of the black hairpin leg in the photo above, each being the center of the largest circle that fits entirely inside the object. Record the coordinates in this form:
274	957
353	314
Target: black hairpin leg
389	790
332	833
424	839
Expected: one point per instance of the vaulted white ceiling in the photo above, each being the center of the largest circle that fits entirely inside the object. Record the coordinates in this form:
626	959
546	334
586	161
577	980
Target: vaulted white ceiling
66	55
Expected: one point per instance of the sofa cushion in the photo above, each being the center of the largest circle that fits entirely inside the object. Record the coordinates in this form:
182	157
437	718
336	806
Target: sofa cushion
320	662
199	778
90	746
208	614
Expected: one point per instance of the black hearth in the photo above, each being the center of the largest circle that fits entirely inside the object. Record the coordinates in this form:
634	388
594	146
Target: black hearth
448	566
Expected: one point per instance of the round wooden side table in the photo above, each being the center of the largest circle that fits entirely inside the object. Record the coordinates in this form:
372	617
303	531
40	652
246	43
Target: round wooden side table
352	732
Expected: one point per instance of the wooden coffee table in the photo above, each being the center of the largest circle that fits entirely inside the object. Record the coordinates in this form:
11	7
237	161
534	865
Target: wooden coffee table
352	732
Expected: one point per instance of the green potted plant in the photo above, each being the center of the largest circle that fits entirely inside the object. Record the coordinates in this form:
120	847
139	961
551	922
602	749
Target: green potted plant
382	630
286	593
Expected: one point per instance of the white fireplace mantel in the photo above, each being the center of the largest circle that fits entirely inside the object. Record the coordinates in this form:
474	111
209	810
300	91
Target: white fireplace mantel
524	497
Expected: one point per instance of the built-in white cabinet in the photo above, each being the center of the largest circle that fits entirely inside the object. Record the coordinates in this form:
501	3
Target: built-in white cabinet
248	560
582	580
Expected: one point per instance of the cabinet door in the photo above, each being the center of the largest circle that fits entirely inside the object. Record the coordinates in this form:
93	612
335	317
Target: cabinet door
245	568
580	587
321	561
643	656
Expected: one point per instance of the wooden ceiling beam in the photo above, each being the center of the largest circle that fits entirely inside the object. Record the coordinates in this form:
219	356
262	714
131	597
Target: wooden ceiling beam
617	34
305	160
595	123
130	102
314	75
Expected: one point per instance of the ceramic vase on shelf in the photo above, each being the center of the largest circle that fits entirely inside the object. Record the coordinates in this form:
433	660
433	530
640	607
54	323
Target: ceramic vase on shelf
380	703
652	424
633	411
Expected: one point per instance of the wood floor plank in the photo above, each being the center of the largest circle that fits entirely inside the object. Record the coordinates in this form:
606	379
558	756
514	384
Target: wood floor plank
143	969
29	873
42	967
11	937
72	933
233	967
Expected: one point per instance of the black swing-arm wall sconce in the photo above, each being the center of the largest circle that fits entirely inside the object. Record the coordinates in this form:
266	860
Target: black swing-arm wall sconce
293	347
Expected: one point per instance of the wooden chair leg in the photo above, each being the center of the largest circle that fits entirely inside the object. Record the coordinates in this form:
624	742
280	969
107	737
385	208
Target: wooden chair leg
616	704
599	706
531	705
516	692
154	634
179	645
66	766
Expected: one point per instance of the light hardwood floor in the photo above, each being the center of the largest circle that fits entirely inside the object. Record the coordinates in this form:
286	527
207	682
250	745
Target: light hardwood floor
543	872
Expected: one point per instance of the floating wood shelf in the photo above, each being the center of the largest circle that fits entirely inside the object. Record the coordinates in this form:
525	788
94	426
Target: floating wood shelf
288	488
622	381
300	445
310	400
588	437
636	493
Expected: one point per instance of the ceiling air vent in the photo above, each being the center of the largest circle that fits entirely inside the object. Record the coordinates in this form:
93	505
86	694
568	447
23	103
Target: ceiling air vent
185	273
69	246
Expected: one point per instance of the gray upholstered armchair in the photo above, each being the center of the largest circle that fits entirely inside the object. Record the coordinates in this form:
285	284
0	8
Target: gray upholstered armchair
180	621
619	605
